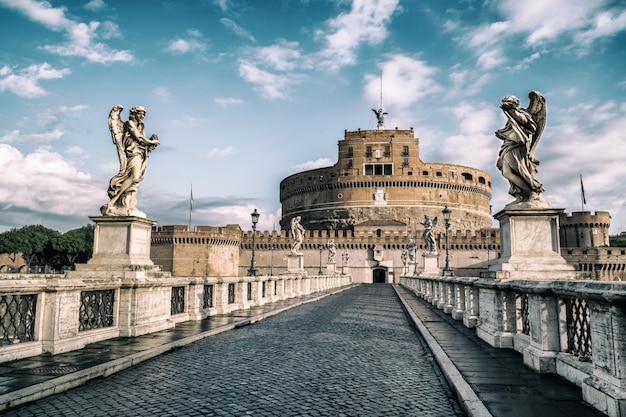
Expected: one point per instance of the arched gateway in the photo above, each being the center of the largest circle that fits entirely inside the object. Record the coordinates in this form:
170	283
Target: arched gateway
379	276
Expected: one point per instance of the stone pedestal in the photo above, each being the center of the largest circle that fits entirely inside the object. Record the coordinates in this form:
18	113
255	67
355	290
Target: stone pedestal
529	245
331	268
121	240
431	265
295	263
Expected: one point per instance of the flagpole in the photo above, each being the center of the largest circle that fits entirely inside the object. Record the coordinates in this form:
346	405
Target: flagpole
582	194
190	205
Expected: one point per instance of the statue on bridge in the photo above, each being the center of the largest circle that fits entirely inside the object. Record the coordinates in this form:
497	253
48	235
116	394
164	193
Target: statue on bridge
516	159
332	251
297	234
428	234
132	150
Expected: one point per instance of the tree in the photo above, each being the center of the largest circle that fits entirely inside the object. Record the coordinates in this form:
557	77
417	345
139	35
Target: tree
75	246
10	243
36	245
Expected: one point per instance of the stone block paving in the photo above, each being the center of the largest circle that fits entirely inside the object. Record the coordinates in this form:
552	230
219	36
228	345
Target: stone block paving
353	353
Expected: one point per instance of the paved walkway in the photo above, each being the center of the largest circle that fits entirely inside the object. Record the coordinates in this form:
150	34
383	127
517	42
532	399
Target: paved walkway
350	353
498	377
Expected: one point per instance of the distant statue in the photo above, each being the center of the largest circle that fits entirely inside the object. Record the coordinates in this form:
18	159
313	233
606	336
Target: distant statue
132	149
345	257
380	116
297	234
404	258
411	248
332	251
429	233
516	159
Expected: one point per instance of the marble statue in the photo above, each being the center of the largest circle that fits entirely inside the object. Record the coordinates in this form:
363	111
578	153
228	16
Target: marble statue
345	258
411	248
332	251
404	258
428	234
297	234
132	149
516	159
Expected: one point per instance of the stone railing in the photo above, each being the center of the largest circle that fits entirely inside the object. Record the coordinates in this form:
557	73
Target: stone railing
59	313
576	329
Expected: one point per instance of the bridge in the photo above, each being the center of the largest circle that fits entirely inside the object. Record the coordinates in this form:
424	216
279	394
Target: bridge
345	350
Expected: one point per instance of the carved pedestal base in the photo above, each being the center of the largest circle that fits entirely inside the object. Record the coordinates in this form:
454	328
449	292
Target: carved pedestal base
529	242
431	265
121	240
331	268
295	263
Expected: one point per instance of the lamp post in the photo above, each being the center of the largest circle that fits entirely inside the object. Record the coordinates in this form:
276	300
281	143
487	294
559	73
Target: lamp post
252	272
272	247
446	217
320	247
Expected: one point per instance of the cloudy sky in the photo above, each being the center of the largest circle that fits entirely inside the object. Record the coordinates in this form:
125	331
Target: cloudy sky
243	93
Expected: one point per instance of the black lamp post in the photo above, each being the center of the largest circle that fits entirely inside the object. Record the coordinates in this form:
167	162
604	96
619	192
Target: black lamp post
446	217
320	247
252	272
272	247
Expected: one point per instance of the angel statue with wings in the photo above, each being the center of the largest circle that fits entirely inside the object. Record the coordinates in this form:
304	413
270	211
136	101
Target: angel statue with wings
132	149
516	160
429	233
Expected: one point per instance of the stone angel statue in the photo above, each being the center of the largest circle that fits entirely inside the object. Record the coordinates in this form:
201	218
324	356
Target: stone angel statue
380	116
429	233
516	159
132	149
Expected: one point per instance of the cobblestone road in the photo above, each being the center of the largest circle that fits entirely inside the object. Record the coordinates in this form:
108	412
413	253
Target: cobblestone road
350	354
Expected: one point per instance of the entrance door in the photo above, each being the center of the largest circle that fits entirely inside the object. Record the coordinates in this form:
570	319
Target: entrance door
379	276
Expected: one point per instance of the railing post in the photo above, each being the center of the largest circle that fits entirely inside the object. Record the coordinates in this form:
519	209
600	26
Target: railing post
472	306
543	315
497	313
606	388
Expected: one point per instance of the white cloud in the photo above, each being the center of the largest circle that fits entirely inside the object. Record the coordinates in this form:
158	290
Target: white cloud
284	56
95	5
162	92
364	24
221	152
237	30
193	43
406	79
26	83
45	182
271	86
81	37
16	136
228	101
308	165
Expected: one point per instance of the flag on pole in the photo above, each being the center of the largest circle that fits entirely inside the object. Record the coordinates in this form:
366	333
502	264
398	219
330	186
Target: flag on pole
582	190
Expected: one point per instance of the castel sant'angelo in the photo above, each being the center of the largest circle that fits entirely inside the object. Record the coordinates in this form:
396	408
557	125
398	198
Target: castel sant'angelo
368	206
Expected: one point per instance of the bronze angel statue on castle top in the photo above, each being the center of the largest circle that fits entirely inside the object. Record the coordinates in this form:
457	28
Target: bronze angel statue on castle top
516	159
132	148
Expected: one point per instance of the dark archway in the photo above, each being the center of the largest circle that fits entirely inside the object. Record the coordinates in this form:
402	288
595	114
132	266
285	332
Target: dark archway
379	276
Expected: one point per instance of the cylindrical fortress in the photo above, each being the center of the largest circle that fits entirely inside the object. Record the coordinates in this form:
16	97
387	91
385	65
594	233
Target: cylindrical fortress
379	176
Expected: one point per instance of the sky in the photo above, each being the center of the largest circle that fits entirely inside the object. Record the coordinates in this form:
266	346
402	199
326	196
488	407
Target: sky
243	93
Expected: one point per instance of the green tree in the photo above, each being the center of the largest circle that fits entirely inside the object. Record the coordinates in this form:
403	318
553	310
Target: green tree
33	242
75	246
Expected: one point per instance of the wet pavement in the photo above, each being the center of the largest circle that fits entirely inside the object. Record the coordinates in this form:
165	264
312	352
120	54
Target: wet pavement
353	353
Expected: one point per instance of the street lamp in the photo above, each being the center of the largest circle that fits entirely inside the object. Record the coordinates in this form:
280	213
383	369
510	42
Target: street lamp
252	272
446	217
320	247
272	247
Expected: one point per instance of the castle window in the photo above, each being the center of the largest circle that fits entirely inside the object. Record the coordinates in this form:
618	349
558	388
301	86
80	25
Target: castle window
467	176
439	174
405	150
350	152
481	180
379	232
387	151
405	163
368	152
378	169
425	173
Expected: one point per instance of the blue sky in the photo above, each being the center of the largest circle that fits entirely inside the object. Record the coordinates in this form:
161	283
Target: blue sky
243	93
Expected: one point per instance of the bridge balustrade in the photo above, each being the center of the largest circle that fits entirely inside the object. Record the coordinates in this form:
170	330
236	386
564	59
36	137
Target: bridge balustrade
56	313
575	329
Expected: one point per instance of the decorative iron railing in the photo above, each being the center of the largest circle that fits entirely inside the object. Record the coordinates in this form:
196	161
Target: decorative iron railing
231	293
249	291
524	321
263	289
17	318
96	309
207	296
578	329
178	300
